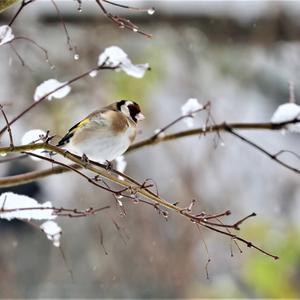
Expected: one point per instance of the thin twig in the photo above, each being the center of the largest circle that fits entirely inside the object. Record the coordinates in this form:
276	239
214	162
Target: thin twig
66	263
73	169
249	244
129	7
206	250
100	232
8	127
121	22
76	78
132	187
259	148
32	176
177	120
45	52
23	4
19	57
69	41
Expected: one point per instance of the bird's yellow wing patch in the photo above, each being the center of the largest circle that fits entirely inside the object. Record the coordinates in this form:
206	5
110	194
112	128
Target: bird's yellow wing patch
79	125
71	132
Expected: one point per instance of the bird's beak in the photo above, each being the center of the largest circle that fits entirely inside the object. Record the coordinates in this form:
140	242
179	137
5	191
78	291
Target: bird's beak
140	116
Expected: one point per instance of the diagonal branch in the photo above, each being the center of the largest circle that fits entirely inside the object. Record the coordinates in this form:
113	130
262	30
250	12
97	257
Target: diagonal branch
135	188
261	149
35	175
23	4
76	78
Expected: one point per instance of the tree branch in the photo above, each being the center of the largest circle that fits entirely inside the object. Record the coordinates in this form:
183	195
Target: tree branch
133	187
31	106
35	175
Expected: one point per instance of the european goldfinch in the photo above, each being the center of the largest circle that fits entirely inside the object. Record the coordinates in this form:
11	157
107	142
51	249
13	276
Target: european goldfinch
106	133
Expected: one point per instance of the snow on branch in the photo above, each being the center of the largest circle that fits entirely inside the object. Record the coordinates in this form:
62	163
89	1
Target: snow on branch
34	136
115	57
6	34
48	86
189	109
15	206
285	113
53	232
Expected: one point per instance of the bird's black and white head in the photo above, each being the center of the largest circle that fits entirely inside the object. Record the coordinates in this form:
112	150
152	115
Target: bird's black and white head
131	110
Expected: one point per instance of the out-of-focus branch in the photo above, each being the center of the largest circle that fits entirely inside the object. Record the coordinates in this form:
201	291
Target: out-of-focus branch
34	175
69	41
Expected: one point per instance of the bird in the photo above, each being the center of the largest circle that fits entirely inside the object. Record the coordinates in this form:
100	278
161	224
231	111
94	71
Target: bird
105	134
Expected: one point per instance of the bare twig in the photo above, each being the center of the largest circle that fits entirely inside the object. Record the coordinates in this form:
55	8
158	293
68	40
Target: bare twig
121	22
45	52
235	237
206	250
8	127
32	176
134	189
23	4
69	41
119	231
130	7
66	263
76	78
57	211
100	232
75	170
287	151
19	57
177	120
259	148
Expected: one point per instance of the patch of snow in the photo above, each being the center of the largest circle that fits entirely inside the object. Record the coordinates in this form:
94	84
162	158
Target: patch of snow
6	34
15	206
115	57
48	86
53	232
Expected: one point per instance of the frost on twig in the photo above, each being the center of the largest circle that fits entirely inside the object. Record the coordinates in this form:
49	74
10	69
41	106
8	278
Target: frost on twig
6	34
285	113
115	57
48	86
15	206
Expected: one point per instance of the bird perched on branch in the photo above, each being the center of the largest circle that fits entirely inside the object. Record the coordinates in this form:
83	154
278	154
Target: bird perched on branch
106	133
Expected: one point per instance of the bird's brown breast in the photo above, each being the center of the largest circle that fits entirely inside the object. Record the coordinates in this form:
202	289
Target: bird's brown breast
119	122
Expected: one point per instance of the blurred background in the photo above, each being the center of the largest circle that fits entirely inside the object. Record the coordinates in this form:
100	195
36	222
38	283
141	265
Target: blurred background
240	55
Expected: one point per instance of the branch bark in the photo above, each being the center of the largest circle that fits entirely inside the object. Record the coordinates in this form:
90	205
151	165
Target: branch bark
36	175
